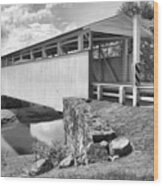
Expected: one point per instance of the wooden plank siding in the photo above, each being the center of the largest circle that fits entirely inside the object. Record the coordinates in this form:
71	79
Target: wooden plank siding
48	81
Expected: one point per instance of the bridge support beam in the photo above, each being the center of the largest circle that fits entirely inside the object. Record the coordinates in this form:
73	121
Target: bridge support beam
44	53
80	42
59	49
136	57
125	60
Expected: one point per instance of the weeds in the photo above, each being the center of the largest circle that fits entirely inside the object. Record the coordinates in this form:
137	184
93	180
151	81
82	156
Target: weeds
55	153
4	155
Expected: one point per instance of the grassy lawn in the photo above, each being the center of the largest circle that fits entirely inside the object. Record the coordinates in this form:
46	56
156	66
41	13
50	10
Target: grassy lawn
136	166
134	123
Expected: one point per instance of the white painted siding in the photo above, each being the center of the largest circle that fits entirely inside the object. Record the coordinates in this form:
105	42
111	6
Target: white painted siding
46	82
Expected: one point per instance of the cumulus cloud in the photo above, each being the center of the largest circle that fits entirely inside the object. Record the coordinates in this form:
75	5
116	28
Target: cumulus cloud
22	36
22	25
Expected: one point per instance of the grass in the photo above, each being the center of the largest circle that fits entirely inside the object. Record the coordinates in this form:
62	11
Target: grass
134	123
16	165
135	167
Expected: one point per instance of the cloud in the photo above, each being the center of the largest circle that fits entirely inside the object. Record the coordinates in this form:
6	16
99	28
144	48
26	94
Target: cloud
22	25
25	24
18	15
22	36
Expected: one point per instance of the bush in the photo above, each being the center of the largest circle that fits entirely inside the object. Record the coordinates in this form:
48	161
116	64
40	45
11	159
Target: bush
55	153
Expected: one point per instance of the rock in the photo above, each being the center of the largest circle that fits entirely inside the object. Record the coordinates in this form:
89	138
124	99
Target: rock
8	119
41	166
97	152
25	172
119	147
67	162
101	131
104	143
104	136
7	116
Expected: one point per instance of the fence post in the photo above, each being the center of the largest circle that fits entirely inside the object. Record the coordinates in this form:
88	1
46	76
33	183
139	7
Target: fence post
121	94
99	92
136	96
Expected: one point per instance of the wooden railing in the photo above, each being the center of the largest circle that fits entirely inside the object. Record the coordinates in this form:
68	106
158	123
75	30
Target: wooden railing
123	92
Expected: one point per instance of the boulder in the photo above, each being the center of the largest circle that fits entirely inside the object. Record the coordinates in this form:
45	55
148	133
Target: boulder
41	166
104	136
7	116
66	162
119	147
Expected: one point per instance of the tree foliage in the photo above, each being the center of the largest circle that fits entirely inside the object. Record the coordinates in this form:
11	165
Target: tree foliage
146	10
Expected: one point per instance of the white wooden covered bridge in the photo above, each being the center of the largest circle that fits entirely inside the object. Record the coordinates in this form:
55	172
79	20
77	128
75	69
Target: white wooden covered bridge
95	60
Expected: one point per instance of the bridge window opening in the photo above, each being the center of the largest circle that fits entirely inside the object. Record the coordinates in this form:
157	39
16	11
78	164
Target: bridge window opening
52	52
26	57
107	49
16	59
37	55
69	45
70	48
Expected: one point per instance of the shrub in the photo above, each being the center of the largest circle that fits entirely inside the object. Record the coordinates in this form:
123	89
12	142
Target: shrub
54	153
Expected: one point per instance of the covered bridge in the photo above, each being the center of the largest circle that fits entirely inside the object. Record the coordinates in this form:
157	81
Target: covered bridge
94	60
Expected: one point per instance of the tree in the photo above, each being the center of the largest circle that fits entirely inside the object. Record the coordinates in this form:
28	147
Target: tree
146	10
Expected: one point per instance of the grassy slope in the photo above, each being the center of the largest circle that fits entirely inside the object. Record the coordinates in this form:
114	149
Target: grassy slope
14	166
134	123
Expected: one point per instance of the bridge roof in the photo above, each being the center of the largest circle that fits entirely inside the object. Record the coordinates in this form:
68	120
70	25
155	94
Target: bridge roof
117	25
120	25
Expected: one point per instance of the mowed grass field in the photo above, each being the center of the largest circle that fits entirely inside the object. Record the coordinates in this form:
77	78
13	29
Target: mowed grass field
135	123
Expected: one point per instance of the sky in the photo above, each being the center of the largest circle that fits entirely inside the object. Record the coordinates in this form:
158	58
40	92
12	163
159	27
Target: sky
26	24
